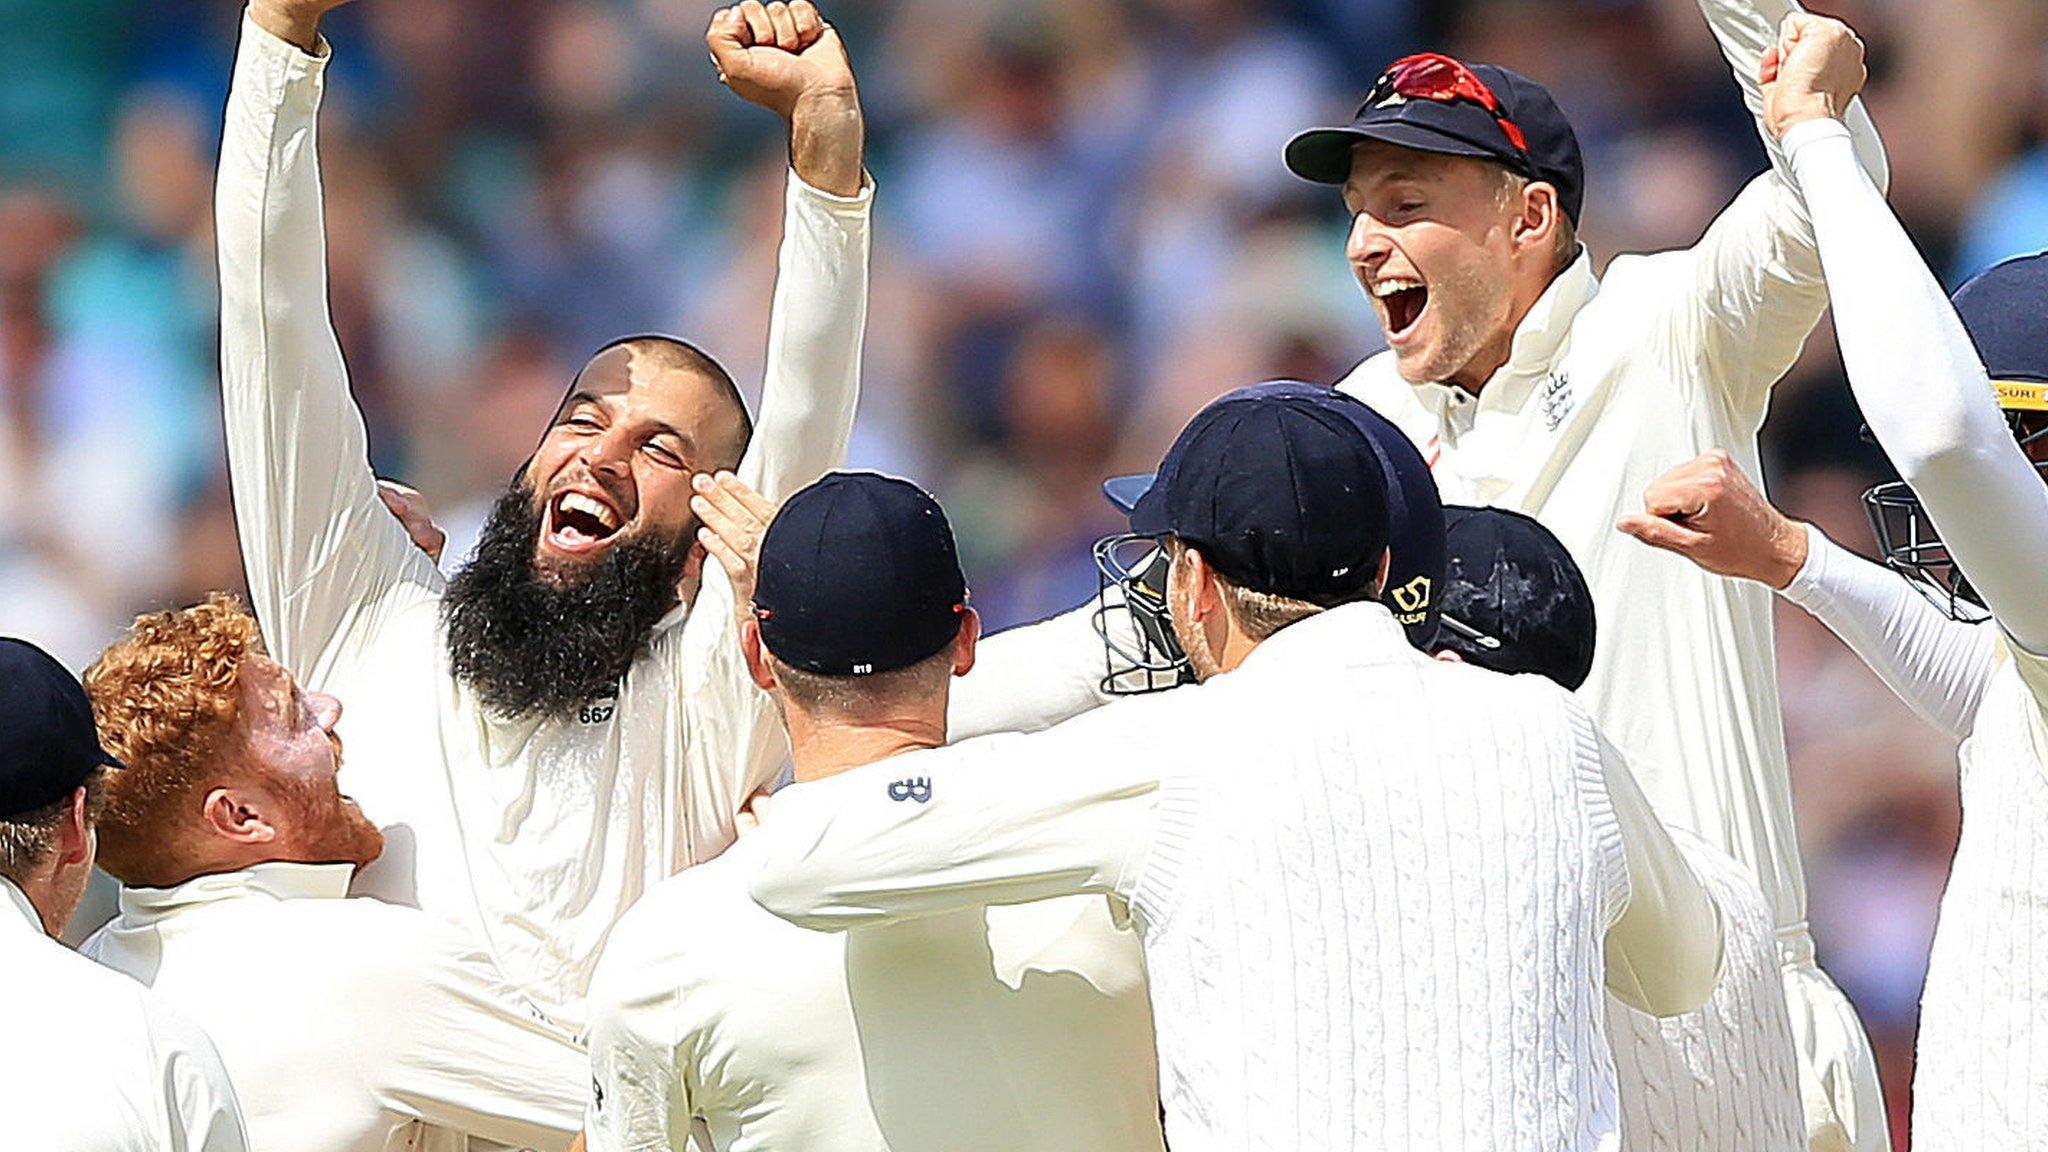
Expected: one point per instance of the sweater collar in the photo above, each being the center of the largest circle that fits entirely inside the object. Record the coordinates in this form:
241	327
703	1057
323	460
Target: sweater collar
1364	633
278	879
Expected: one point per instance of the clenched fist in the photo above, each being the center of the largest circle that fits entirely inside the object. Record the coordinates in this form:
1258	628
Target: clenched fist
1811	73
1707	511
778	54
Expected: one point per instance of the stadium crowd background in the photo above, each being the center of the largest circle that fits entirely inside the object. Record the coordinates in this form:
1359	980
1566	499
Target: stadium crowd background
1084	231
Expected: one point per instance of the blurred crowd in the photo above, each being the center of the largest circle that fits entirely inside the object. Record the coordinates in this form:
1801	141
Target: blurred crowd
1084	231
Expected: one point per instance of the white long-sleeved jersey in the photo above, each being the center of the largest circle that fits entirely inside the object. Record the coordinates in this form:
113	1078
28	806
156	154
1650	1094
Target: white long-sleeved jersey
1609	383
537	833
1981	1076
1378	893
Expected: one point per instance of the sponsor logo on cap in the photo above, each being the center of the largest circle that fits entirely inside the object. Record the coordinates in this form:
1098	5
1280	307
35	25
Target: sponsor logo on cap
2024	396
1412	599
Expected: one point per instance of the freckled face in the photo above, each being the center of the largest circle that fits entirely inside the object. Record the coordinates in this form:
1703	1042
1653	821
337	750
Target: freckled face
288	739
617	461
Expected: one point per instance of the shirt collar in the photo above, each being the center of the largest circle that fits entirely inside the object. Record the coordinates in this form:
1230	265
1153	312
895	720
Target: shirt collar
1541	334
20	902
1349	634
278	879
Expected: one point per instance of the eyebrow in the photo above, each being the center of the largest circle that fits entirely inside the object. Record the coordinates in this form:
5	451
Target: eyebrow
661	427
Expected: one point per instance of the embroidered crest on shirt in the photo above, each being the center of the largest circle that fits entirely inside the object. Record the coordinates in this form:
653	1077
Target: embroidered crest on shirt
1558	400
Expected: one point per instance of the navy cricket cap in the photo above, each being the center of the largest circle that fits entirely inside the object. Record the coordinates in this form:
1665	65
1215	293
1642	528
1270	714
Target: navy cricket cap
1457	127
2005	311
48	743
1513	599
1279	488
858	574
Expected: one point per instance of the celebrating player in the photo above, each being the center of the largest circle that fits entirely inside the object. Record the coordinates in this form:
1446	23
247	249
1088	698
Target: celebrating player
1532	385
1724	1077
1970	523
93	1062
345	1024
568	720
1004	1028
1338	852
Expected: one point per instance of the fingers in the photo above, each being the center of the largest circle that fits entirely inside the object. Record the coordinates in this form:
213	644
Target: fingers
738	566
809	25
1658	532
413	514
728	505
726	37
1767	70
760	29
780	18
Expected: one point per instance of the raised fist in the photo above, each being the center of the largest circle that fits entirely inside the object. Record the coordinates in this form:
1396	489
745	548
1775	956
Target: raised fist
777	55
1811	73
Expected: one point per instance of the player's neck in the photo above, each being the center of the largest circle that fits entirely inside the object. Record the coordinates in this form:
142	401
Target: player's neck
826	746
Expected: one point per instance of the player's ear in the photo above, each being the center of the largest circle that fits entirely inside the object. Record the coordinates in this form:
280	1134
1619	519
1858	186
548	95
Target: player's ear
1379	580
75	844
757	660
1449	656
238	814
1206	591
1540	217
963	645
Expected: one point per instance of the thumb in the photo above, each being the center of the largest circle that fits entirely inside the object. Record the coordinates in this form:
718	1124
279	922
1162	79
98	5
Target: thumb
1658	532
1767	69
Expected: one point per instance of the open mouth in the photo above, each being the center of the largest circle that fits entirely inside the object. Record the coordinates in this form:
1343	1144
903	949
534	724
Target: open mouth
580	522
1404	300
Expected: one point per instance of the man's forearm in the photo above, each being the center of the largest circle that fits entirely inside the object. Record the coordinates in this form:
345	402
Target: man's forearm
827	141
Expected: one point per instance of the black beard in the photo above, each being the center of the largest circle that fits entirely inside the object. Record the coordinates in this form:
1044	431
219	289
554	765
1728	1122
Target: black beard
529	647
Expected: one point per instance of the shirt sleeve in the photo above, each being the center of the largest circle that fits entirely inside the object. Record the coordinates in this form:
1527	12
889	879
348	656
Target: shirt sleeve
638	1100
808	394
1664	953
1938	666
1754	293
318	546
1032	677
199	1097
462	1051
1079	808
1923	389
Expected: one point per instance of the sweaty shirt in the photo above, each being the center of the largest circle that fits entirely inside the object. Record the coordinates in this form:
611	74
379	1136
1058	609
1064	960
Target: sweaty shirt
535	834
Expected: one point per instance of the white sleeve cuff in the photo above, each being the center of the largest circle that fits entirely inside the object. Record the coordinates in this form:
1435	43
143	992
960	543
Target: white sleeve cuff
1809	584
859	200
1807	131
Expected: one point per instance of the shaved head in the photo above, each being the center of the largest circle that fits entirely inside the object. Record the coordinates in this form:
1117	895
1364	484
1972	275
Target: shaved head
619	364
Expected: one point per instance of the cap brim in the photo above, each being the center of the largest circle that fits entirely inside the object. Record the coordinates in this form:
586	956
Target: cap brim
1324	154
1128	493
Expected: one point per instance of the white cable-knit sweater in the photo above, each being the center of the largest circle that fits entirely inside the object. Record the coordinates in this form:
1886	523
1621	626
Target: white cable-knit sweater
1378	893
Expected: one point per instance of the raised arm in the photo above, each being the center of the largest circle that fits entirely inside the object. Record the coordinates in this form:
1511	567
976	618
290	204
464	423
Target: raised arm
787	59
1753	292
317	543
1924	391
1001	820
1746	31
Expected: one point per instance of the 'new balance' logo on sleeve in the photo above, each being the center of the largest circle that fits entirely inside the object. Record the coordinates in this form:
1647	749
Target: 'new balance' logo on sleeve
918	788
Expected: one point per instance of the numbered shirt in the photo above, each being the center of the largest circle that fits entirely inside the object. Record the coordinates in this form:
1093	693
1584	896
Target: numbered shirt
534	834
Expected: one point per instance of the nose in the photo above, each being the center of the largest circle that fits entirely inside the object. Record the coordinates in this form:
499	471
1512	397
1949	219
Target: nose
607	453
326	710
1368	245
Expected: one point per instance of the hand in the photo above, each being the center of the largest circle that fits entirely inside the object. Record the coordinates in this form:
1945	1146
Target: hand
735	517
1707	511
785	58
1811	73
294	21
777	54
411	509
755	810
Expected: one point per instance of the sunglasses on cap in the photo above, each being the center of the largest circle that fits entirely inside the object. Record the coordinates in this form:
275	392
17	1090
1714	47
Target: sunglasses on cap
1438	78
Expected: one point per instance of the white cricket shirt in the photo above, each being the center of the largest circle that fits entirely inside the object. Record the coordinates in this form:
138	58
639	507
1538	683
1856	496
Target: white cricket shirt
93	1062
1379	894
348	1025
1610	383
534	834
1017	1028
1981	1076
